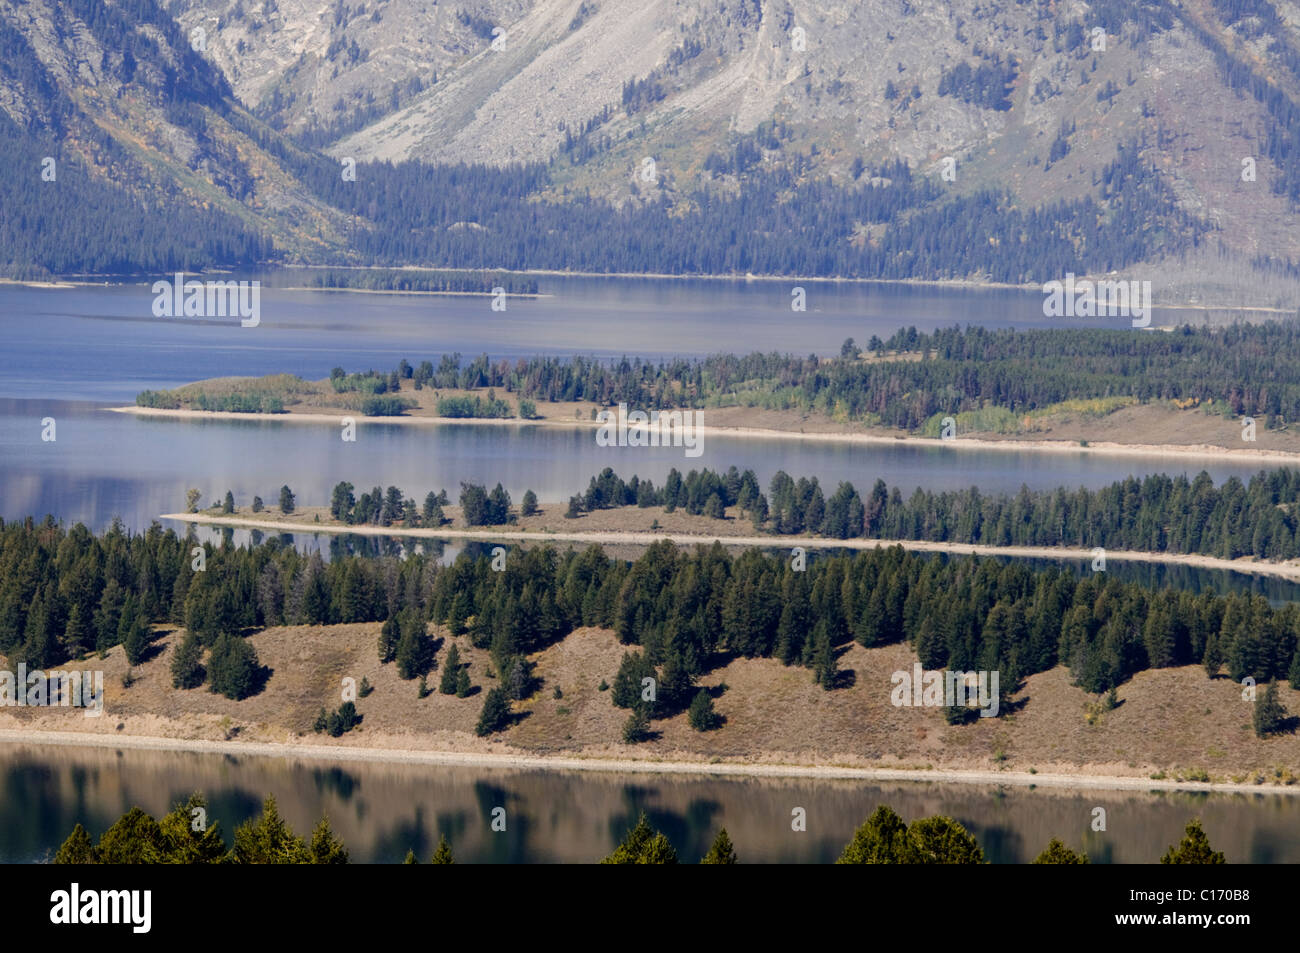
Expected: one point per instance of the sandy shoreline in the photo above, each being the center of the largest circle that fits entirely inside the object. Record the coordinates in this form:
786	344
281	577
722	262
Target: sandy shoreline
308	752
1290	570
1103	448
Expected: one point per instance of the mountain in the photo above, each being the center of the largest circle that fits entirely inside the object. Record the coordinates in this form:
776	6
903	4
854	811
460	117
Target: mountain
1008	141
128	151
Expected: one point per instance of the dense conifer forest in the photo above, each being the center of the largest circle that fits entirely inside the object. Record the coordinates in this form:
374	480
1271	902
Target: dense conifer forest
66	592
914	377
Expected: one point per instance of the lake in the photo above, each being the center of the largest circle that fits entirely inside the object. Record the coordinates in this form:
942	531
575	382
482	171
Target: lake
72	353
381	810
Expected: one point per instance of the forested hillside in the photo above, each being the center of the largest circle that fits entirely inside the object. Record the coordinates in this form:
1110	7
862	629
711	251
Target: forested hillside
913	378
68	592
159	167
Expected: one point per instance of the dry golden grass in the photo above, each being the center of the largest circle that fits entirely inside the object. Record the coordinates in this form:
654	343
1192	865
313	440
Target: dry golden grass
1170	722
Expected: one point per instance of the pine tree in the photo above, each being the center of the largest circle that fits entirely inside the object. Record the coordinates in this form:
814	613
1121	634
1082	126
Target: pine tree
77	638
187	667
187	838
443	854
637	727
528	507
1194	848
286	500
324	847
701	716
135	641
495	715
450	672
388	638
463	686
232	667
410	858
882	839
826	667
269	840
135	838
722	851
228	504
1058	853
643	845
941	840
415	648
1268	717
77	849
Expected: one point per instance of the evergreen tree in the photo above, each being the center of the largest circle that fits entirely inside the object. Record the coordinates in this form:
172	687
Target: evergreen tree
495	715
269	840
722	851
77	635
233	667
1269	716
463	686
443	854
637	727
410	858
77	849
324	847
187	663
135	838
701	716
882	839
528	507
415	647
826	667
643	845
135	636
228	505
1058	853
286	500
941	840
388	638
450	672
1194	848
187	838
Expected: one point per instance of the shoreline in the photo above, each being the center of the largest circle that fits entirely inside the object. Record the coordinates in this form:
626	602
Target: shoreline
1103	448
341	753
613	537
960	284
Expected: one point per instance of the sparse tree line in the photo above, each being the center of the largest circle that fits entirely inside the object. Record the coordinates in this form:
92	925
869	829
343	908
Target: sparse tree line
64	593
1156	513
884	838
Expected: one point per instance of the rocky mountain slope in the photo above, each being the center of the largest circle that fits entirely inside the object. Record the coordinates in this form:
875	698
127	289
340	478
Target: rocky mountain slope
221	105
1033	97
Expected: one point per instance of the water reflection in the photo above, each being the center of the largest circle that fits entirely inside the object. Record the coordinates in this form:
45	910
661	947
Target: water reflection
383	810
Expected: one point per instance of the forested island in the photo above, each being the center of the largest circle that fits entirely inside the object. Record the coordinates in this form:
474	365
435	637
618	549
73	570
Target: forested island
1155	514
1235	388
539	631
